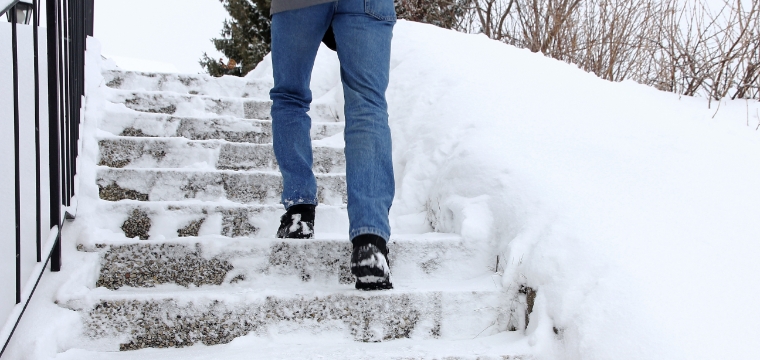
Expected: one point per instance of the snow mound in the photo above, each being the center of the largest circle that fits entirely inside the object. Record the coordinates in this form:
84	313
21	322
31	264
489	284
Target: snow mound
633	212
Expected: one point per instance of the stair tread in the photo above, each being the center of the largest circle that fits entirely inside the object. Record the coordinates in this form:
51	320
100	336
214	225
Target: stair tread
212	154
247	187
262	241
212	142
222	217
185	95
152	319
205	171
228	118
502	346
196	84
234	293
221	261
127	122
187	104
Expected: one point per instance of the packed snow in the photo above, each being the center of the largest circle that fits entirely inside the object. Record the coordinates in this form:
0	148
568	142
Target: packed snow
632	212
128	63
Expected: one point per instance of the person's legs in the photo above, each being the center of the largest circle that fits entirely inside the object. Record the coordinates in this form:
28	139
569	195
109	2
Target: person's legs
363	30
296	35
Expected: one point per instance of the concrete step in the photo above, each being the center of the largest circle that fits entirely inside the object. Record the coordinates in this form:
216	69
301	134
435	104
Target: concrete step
501	346
269	263
198	105
158	220
131	123
131	320
134	152
139	124
228	86
236	186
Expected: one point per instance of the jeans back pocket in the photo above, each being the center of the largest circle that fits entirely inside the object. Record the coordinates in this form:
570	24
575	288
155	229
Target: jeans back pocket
380	9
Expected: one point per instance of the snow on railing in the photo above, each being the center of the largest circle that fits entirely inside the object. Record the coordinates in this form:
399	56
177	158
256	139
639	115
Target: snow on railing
40	183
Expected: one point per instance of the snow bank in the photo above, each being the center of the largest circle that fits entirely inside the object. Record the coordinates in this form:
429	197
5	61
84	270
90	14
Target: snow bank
633	212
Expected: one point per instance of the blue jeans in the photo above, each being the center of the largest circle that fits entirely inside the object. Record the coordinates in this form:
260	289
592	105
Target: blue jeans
363	30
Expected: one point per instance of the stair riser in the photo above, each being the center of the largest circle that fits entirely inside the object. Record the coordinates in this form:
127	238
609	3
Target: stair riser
191	105
137	324
157	221
256	262
187	84
148	153
239	187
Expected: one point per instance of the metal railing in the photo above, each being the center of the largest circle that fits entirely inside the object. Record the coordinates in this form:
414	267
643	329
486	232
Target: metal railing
68	23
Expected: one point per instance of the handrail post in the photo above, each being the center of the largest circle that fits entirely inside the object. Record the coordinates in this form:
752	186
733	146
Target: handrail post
53	63
90	18
66	96
17	175
37	162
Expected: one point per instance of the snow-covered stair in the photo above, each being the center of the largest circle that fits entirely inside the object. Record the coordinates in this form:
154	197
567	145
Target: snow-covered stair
187	173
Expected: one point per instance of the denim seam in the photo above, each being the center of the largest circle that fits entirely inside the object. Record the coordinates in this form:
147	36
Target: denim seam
380	17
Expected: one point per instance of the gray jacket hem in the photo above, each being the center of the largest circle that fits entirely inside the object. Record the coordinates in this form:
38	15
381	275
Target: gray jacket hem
285	5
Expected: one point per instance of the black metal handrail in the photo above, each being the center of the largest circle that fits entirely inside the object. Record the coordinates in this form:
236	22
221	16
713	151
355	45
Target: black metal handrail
69	22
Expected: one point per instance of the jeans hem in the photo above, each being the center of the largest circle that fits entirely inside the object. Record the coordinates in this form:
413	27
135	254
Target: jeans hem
287	203
369	230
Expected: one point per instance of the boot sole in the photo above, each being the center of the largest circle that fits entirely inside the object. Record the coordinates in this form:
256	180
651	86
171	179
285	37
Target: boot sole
369	286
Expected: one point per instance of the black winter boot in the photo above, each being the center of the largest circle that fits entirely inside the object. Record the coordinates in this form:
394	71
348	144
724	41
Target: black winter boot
369	263
297	222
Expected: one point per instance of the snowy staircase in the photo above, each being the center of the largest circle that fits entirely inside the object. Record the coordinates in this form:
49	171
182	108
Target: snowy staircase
187	173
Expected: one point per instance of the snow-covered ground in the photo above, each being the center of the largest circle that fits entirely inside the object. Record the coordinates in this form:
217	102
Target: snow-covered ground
633	212
128	63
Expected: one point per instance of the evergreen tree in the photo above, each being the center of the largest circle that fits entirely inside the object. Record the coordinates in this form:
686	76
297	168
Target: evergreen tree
245	38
